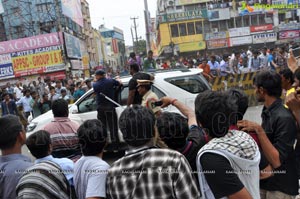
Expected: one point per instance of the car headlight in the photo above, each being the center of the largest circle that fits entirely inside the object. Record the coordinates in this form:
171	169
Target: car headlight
31	127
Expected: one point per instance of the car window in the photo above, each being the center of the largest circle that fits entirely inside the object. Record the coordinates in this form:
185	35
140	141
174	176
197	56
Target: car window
124	96
192	84
158	92
88	104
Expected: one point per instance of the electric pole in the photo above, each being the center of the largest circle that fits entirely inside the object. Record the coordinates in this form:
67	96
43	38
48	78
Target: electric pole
147	22
134	46
135	28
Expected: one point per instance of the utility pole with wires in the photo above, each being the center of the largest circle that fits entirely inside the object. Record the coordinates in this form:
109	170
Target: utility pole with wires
134	46
136	35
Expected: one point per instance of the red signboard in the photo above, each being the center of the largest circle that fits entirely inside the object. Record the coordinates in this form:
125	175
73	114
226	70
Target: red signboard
261	28
217	43
115	45
289	34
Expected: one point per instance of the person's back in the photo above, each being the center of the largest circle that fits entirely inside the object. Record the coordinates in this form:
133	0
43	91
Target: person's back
63	132
90	170
44	180
12	162
146	171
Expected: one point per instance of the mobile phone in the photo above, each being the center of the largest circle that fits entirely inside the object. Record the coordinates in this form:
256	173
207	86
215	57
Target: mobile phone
158	103
296	51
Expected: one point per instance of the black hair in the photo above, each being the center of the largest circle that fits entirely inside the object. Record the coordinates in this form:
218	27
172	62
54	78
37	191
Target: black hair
270	81
39	144
241	100
51	88
297	74
150	51
173	129
288	75
214	111
58	81
45	95
137	125
236	53
4	94
78	84
92	137
134	67
33	92
60	108
10	129
132	54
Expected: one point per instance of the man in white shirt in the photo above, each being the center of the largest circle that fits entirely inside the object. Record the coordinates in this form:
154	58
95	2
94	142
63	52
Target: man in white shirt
25	102
18	91
264	57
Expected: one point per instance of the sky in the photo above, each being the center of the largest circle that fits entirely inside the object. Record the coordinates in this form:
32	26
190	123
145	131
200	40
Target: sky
118	13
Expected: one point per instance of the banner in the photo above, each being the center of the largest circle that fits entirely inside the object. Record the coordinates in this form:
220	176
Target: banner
289	34
289	26
84	54
216	35
72	9
192	46
115	46
6	68
237	32
218	14
37	63
217	43
186	2
72	46
261	28
30	43
179	16
237	41
76	65
264	38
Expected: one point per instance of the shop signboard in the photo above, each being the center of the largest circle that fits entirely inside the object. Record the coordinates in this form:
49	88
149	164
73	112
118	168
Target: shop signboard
216	35
218	14
289	34
261	28
237	32
217	43
264	38
237	41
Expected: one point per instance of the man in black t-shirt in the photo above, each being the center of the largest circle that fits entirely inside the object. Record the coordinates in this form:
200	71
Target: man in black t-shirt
277	136
133	96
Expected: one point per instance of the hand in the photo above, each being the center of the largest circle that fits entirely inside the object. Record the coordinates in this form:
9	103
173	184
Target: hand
166	101
246	125
292	62
293	102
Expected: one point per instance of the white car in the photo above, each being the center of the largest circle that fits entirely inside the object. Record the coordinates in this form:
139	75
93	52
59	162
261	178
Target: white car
183	85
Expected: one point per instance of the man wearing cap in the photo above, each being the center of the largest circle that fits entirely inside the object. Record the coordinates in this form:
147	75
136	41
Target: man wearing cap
106	109
148	97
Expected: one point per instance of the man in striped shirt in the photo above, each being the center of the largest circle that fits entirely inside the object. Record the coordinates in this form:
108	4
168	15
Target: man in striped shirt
63	132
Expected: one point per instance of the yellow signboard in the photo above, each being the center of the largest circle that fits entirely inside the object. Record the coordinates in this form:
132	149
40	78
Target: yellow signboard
192	46
186	2
36	62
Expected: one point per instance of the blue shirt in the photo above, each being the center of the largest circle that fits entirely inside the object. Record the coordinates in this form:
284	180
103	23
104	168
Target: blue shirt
270	59
25	102
213	67
66	165
12	167
107	87
9	108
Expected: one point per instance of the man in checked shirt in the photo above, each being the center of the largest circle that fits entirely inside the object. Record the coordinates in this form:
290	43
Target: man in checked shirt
146	171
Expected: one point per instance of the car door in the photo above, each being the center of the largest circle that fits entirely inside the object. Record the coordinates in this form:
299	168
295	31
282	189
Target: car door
87	108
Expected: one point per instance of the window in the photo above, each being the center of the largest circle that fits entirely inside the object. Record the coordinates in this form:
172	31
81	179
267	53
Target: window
198	25
191	28
174	30
261	19
124	96
88	104
222	25
246	21
214	24
206	27
230	23
193	84
158	92
182	28
254	20
238	22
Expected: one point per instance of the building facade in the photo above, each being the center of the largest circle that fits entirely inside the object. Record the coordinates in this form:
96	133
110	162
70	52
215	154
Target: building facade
115	47
185	27
33	23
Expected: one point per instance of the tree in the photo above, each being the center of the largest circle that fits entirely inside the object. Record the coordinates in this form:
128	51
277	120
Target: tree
141	47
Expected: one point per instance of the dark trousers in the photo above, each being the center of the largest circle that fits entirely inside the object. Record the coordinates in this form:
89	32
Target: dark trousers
109	119
26	114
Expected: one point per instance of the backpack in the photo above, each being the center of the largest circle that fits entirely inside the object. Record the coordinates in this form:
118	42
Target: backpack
44	180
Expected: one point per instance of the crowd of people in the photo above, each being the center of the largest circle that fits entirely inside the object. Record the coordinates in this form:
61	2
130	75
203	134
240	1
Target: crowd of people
209	152
37	97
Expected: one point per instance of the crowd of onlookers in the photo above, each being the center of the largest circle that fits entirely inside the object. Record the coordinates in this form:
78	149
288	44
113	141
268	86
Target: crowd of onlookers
37	97
205	152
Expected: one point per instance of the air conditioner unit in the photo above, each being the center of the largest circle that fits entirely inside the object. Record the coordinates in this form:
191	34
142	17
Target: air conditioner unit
215	30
